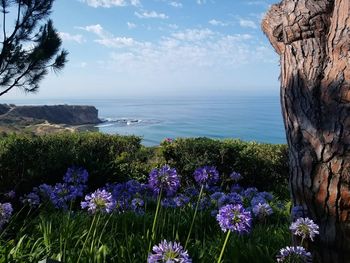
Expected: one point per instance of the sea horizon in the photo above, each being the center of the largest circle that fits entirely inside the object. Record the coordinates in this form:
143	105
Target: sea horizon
154	118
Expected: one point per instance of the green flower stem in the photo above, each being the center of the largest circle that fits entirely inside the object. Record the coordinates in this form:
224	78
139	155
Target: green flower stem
155	220
87	236
194	215
224	246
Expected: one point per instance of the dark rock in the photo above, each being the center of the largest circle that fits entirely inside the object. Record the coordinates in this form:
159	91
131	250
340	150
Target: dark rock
56	114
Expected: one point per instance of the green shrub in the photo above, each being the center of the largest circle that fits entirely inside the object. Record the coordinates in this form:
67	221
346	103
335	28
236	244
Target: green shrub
264	166
27	161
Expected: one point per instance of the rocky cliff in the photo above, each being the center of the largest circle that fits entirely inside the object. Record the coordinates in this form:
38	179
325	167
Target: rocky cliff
55	114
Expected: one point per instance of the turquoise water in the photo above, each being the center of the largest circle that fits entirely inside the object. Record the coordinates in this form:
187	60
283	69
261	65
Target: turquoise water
248	118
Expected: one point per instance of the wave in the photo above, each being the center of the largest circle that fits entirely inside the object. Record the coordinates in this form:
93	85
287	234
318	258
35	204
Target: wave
107	122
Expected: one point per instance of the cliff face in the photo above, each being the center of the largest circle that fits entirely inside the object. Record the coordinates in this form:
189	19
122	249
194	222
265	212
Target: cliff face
56	114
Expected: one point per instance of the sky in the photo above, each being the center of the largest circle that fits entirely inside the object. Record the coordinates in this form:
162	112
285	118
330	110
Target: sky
126	48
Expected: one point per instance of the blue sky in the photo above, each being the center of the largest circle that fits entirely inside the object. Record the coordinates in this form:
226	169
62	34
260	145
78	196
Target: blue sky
141	48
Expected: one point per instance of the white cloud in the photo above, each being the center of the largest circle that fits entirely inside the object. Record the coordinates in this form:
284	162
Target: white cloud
193	34
151	14
176	4
74	38
201	2
107	39
247	23
215	22
131	25
111	3
96	29
117	42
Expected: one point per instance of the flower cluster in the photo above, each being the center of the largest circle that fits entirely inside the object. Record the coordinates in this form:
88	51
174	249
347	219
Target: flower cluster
262	210
99	201
164	179
234	218
294	254
169	252
207	175
234	176
60	194
5	213
305	228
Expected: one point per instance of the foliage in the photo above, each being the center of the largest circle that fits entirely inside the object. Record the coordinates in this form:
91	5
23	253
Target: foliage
264	166
31	47
27	161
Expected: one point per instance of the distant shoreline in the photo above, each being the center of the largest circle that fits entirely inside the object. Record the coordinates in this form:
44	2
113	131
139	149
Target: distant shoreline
43	119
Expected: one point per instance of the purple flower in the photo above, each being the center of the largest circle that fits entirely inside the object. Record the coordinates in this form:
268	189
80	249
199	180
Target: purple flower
262	210
234	218
5	213
181	200
294	254
298	211
257	200
61	194
304	227
137	205
235	176
169	252
164	179
11	194
32	199
191	191
207	175
231	198
250	192
236	188
168	203
99	201
76	176
216	196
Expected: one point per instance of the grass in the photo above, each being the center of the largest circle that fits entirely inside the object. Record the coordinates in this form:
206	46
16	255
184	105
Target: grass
80	237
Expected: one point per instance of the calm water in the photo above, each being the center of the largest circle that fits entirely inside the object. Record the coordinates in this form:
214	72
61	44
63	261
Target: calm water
244	117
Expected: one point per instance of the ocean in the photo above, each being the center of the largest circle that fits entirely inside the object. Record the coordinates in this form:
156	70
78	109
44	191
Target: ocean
249	118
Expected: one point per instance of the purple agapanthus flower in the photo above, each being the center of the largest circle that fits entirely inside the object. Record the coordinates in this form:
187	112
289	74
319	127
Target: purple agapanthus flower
207	175
236	188
164	179
5	213
62	194
99	201
235	176
168	202
32	199
168	252
257	200
294	254
231	198
137	205
262	210
75	175
181	200
305	228
234	218
250	192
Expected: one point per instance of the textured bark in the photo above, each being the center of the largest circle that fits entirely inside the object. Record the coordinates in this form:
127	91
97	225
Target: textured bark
312	38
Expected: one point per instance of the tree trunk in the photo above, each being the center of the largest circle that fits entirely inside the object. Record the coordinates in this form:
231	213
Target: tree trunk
312	38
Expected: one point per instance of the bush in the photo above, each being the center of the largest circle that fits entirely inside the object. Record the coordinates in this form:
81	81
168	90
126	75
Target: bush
27	161
264	166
